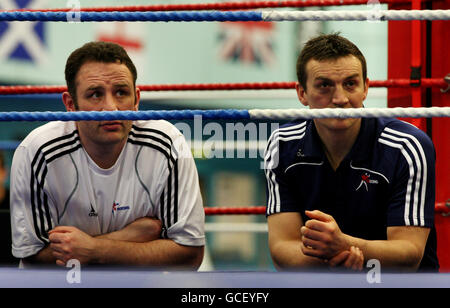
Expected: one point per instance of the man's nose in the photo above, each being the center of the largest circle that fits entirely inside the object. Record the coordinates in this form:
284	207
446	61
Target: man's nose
109	103
340	97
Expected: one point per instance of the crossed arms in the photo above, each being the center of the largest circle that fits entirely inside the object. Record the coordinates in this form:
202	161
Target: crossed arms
139	243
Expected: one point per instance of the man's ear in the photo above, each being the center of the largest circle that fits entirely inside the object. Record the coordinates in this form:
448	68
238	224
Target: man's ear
138	98
366	88
301	94
68	101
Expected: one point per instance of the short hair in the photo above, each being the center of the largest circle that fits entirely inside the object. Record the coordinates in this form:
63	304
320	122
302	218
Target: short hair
327	47
105	52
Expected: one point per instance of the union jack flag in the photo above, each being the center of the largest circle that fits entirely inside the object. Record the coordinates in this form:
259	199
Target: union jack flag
23	41
247	42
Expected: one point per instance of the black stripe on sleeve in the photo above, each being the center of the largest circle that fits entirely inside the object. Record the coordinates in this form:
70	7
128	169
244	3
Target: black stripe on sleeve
161	202
39	199
175	202
169	198
33	198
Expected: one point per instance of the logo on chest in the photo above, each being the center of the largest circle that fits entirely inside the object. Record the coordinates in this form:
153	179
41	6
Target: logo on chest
116	207
365	181
92	212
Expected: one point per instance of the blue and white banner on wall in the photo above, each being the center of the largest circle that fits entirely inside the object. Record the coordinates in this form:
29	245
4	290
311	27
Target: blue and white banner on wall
23	41
201	52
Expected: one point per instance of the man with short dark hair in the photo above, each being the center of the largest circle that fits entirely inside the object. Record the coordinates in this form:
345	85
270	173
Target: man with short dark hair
344	191
106	192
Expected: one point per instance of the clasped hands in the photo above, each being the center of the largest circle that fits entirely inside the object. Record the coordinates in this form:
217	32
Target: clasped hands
67	242
322	238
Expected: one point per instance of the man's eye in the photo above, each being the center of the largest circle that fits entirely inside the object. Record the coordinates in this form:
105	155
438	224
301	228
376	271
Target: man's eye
350	83
324	85
94	95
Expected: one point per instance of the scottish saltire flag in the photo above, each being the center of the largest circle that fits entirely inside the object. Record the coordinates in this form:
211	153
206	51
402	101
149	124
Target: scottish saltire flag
23	41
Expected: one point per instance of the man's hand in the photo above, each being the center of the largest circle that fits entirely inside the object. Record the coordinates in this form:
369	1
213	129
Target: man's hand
352	259
71	243
321	236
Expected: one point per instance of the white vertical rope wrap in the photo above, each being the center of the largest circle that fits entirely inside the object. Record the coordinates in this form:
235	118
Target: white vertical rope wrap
371	15
290	114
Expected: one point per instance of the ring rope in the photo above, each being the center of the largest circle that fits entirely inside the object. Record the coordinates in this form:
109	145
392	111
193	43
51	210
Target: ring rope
252	210
440	207
390	83
355	15
290	114
217	6
229	16
228	114
254	227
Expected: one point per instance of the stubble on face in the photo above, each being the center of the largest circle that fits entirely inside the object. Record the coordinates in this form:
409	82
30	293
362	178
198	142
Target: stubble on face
335	84
105	87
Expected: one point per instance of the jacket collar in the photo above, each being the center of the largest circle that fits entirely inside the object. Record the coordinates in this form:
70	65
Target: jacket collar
311	147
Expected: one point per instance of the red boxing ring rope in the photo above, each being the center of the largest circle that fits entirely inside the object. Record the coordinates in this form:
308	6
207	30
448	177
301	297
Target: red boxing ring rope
235	210
218	6
441	208
391	83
